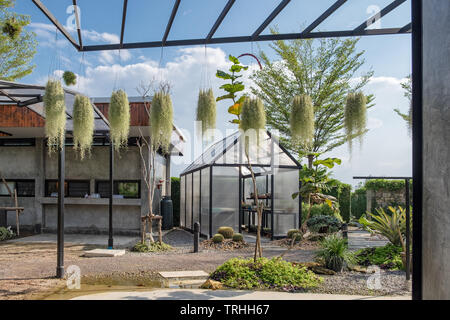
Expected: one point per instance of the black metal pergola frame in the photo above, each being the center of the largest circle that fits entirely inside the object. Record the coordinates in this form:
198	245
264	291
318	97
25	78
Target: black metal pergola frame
307	33
414	28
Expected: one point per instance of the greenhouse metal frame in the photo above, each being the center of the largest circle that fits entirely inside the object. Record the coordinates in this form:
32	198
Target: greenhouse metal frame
214	186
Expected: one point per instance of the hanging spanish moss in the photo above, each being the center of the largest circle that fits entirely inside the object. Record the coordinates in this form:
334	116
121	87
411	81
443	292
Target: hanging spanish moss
55	115
355	117
83	125
70	79
12	28
302	119
206	111
253	116
161	121
119	119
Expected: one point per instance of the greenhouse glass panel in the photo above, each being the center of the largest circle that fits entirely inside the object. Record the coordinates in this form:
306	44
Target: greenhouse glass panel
286	217
204	226
225	198
182	202
189	201
196	199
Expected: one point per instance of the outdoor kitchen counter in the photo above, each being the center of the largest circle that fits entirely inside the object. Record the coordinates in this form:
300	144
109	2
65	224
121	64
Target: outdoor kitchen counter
92	201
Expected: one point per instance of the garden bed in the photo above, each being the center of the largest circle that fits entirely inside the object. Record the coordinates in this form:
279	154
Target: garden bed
225	245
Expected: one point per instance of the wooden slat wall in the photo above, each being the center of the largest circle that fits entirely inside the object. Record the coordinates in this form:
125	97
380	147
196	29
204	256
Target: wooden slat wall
13	116
138	114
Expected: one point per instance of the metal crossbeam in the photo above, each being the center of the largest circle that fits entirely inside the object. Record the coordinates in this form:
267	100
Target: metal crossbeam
324	16
220	19
269	19
124	17
57	24
169	24
77	18
379	15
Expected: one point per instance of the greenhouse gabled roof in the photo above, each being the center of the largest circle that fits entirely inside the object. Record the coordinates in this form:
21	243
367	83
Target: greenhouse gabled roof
230	152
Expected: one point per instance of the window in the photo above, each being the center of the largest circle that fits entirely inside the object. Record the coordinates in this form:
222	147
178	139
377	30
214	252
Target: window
28	142
25	188
125	188
72	188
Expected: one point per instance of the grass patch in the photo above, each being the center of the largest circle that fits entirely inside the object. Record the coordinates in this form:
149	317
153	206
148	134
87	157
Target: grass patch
151	247
265	273
387	257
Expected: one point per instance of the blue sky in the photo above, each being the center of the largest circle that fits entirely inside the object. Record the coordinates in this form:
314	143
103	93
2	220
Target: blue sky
387	146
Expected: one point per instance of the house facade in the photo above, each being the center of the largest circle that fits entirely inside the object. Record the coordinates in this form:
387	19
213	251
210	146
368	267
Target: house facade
27	167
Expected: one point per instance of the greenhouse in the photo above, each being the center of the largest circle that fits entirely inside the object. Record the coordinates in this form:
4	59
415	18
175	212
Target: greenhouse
217	189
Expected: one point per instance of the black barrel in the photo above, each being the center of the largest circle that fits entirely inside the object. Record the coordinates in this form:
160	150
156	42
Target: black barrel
167	213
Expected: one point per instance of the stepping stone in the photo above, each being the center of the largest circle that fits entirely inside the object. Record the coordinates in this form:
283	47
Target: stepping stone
184	275
104	253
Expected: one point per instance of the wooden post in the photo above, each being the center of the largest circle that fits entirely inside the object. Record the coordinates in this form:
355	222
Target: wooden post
159	230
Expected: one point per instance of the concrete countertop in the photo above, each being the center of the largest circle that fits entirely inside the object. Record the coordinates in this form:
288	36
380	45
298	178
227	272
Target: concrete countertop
91	201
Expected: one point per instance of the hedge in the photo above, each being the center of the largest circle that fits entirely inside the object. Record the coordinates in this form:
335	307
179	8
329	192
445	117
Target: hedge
175	195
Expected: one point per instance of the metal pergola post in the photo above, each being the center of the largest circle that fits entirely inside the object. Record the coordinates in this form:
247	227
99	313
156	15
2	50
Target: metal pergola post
60	223
111	193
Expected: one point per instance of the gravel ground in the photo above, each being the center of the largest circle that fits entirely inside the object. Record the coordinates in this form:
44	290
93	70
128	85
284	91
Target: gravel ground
392	283
27	270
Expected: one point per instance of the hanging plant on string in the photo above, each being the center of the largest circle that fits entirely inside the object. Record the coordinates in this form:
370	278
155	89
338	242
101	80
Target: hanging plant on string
12	28
119	119
206	113
70	79
161	121
55	115
83	125
355	117
302	120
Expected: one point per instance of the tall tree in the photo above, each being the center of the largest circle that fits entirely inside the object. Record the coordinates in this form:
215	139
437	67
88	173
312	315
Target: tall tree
407	86
17	46
324	69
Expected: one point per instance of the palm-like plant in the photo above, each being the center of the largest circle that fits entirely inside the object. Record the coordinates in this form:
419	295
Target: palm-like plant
392	226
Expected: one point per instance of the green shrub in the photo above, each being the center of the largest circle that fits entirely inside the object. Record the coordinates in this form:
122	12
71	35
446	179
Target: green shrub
333	251
323	224
294	233
6	233
151	247
387	257
227	232
237	237
264	274
217	238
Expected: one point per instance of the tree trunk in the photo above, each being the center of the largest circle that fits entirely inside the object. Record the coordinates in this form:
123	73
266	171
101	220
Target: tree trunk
303	228
310	160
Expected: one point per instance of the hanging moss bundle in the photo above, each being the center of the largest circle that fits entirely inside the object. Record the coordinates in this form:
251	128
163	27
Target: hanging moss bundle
253	116
302	119
55	115
12	28
83	125
161	121
70	79
119	119
206	110
355	116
